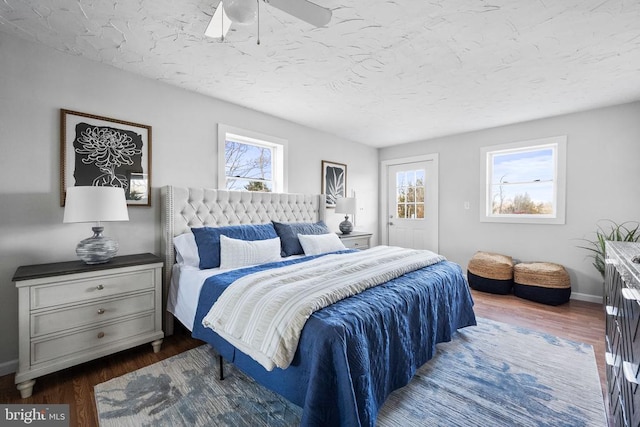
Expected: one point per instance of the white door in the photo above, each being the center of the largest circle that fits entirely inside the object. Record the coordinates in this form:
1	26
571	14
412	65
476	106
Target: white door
412	206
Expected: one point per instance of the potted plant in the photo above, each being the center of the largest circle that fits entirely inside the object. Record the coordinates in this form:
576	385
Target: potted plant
609	230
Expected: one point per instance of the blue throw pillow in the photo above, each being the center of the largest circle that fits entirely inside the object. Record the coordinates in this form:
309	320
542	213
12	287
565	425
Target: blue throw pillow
208	239
288	233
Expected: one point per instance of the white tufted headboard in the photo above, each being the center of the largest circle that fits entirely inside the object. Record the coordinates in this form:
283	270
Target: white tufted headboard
183	208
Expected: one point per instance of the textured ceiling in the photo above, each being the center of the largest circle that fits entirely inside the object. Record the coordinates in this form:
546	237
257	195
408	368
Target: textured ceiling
382	72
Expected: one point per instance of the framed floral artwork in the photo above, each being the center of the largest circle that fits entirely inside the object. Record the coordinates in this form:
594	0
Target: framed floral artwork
334	181
99	151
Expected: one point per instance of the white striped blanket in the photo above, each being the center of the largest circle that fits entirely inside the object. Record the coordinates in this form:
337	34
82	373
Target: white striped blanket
263	313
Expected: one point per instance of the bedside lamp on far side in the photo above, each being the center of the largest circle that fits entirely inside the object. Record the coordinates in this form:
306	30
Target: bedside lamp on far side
347	206
96	204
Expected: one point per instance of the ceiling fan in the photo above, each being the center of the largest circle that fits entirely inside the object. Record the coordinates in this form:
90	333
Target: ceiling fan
245	12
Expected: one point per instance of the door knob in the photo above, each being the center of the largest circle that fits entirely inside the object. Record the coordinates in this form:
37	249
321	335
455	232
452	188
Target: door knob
390	223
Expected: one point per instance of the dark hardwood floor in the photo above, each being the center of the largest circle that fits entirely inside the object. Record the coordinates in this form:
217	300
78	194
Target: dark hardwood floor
75	385
577	320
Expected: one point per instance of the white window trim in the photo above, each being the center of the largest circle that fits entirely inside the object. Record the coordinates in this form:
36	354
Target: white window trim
279	160
560	182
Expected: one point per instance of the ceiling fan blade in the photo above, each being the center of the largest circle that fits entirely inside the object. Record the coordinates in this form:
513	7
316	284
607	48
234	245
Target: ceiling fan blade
303	10
219	25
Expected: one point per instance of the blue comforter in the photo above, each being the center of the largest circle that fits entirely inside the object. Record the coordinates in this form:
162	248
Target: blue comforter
354	353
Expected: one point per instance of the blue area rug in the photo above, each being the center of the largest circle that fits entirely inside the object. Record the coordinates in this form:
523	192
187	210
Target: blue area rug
490	375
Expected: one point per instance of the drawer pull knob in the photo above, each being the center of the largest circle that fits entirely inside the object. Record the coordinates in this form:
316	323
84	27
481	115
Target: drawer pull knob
101	335
100	287
101	311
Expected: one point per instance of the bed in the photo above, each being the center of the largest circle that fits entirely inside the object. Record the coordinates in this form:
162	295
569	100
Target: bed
351	354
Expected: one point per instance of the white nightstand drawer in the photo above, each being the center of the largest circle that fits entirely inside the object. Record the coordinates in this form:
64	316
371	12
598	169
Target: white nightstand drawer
88	314
356	243
70	312
60	293
356	240
90	339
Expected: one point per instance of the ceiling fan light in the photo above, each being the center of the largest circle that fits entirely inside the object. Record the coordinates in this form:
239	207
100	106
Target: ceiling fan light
241	11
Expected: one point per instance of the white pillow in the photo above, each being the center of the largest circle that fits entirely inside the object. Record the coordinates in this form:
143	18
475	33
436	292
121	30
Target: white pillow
186	250
320	243
236	253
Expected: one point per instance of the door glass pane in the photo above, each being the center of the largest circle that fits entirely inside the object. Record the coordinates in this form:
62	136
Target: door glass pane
410	187
411	180
419	194
401	211
411	194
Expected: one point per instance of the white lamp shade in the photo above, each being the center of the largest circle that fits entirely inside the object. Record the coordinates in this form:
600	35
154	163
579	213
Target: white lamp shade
346	205
95	204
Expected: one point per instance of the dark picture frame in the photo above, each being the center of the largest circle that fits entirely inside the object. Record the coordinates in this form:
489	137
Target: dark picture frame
100	151
334	182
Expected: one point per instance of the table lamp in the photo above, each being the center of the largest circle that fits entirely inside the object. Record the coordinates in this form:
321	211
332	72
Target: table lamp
347	206
96	204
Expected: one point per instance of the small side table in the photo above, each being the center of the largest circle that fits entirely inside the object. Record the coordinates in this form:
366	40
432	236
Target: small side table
71	312
356	240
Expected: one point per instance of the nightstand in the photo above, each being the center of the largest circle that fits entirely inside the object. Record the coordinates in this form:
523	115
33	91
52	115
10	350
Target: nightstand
72	312
356	240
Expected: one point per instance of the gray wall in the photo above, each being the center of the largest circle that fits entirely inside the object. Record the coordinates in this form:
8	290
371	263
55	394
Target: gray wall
603	182
37	82
603	153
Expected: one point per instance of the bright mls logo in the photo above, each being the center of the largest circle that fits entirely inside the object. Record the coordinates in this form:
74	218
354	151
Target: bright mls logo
37	415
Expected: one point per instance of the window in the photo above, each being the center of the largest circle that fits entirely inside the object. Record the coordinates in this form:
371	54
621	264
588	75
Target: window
410	194
524	182
249	161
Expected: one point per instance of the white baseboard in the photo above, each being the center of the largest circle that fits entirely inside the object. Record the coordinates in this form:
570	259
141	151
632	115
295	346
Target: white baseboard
579	296
586	297
9	367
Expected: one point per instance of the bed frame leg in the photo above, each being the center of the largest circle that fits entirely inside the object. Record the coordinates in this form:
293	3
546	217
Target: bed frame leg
221	371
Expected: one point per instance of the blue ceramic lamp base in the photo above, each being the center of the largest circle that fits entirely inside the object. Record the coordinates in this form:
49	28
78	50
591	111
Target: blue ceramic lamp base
97	249
345	226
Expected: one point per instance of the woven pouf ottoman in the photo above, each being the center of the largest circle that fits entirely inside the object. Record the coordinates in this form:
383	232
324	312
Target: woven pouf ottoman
543	282
490	272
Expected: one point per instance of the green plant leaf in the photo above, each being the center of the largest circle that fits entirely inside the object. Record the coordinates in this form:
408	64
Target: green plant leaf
607	230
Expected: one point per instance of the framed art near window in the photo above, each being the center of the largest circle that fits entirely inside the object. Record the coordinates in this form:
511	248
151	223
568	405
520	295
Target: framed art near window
334	181
99	151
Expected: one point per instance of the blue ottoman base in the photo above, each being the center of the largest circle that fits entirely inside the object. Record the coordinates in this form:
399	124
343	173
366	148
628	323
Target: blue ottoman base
549	296
493	286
